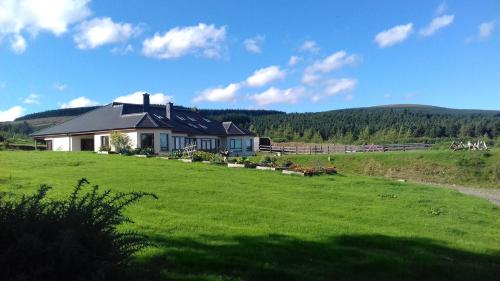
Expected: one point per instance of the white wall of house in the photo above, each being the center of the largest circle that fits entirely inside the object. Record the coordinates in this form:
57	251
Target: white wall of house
76	141
60	143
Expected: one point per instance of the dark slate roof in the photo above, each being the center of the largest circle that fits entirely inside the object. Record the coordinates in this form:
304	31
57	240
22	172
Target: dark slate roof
116	116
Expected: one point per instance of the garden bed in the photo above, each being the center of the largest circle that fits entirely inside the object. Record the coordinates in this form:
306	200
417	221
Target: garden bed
290	172
265	168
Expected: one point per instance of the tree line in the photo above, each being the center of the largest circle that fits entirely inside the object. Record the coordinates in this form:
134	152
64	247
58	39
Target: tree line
377	125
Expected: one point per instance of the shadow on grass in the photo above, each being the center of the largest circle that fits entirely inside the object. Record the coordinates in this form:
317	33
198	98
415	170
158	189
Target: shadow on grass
277	257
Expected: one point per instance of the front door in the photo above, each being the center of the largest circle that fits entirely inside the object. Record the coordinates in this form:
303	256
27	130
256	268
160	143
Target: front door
87	145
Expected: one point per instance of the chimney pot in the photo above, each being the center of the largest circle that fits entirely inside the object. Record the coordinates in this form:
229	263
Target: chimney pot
145	102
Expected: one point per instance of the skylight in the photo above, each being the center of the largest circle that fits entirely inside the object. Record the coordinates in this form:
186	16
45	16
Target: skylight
191	118
203	126
180	117
192	125
206	120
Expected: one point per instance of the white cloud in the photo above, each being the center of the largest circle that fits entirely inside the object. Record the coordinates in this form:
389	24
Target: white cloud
100	31
79	102
221	94
484	31
11	113
32	99
349	97
123	50
137	98
309	46
394	35
274	95
32	16
254	45
337	86
441	9
436	24
18	44
265	76
331	63
202	39
294	60
59	86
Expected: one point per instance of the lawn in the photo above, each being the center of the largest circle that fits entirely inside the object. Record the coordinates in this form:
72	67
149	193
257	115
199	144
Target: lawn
216	223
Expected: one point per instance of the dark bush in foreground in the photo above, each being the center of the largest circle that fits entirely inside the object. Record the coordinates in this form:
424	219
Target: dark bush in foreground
70	239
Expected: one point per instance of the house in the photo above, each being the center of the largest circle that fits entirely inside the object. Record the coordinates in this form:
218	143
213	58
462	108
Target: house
163	128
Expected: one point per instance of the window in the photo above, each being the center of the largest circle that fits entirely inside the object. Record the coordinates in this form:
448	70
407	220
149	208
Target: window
147	141
235	145
177	143
249	145
188	141
206	144
105	141
217	143
163	142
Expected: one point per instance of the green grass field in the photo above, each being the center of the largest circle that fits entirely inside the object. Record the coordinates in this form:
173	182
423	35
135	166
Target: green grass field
216	223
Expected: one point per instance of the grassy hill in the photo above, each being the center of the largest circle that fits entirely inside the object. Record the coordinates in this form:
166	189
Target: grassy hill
467	168
216	223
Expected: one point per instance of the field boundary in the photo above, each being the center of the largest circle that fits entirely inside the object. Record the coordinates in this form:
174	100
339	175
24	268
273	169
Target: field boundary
336	148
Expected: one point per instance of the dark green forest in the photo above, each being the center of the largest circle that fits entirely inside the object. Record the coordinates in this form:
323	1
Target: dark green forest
379	125
384	124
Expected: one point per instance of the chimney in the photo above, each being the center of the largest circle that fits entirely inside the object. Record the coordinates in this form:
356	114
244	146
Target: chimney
169	107
145	102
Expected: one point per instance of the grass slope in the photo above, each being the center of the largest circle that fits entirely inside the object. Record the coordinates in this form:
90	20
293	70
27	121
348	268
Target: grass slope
215	223
469	168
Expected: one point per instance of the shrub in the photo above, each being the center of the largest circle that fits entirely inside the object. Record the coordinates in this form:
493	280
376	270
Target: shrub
105	148
70	239
268	161
144	151
121	142
217	160
199	156
286	164
175	154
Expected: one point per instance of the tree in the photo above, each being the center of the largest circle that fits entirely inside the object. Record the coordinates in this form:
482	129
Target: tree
121	142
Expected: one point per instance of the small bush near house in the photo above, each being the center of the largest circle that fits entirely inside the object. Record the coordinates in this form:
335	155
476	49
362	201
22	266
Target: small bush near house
217	160
199	156
121	142
268	161
175	154
105	148
144	151
69	239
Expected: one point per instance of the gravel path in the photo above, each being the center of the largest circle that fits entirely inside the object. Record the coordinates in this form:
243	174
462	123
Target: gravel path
490	194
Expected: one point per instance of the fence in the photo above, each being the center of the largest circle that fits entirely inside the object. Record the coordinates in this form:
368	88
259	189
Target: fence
336	148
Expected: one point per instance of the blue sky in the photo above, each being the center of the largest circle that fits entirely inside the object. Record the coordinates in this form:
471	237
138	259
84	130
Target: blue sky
294	56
